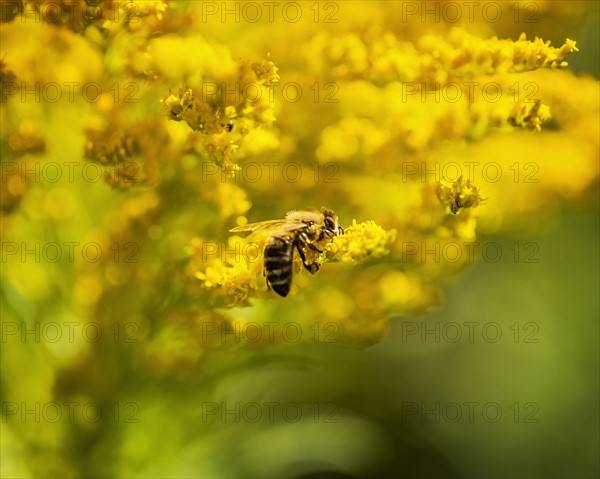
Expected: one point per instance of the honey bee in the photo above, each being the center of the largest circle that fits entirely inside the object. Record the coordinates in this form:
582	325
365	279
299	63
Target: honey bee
300	231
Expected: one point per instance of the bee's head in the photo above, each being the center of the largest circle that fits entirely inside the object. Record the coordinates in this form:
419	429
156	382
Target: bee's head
330	221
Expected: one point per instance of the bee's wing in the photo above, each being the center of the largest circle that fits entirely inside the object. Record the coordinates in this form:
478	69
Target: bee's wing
273	226
261	225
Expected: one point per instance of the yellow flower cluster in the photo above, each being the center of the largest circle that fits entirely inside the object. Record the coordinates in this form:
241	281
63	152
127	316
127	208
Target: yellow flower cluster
389	123
530	115
539	54
433	60
124	151
228	273
225	112
458	194
360	241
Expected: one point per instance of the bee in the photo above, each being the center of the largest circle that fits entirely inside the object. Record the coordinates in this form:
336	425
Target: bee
301	231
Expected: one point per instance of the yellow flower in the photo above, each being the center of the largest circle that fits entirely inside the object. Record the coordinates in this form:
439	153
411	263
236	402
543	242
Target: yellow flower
458	195
224	112
433	58
360	241
530	114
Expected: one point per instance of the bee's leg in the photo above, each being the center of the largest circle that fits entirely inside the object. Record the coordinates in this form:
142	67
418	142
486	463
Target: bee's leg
302	243
314	248
303	239
306	242
312	267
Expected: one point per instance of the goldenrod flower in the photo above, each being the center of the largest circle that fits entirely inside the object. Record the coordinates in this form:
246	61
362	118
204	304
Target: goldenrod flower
458	195
531	115
225	112
433	60
360	241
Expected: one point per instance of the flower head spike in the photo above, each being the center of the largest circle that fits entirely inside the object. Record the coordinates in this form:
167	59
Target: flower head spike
360	241
530	115
265	71
458	194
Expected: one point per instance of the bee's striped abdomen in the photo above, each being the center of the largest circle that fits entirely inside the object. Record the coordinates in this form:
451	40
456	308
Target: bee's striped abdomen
278	264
